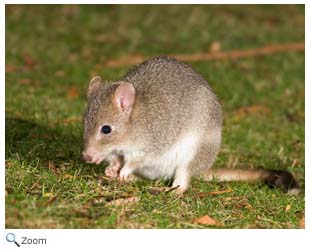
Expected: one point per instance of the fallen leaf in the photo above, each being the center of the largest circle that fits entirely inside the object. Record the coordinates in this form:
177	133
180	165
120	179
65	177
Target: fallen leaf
125	201
16	113
244	204
215	47
72	92
24	81
28	60
207	220
10	68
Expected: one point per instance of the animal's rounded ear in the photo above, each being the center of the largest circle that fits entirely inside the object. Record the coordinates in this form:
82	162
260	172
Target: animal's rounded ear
94	84
124	97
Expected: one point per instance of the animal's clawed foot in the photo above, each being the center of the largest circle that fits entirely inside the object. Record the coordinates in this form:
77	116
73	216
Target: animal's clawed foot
179	188
125	175
115	171
112	171
180	191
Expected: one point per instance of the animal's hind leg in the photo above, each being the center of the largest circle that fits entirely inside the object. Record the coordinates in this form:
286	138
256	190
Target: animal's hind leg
181	180
206	154
201	162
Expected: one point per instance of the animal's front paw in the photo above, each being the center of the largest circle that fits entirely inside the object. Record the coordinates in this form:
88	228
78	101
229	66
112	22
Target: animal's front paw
125	174
112	170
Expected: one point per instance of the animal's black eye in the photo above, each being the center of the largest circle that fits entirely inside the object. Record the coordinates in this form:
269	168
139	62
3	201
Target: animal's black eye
106	129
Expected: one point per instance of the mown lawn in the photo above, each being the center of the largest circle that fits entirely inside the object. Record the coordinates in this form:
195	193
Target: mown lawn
51	54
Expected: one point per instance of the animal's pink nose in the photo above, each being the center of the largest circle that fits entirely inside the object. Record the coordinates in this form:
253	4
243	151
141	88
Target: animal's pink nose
87	158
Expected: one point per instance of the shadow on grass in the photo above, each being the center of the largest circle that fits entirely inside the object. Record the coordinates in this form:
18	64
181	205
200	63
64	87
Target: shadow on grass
30	142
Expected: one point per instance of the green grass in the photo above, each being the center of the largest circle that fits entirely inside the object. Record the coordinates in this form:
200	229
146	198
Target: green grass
51	54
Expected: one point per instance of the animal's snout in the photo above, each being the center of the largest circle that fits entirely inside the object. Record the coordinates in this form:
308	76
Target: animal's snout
91	155
86	157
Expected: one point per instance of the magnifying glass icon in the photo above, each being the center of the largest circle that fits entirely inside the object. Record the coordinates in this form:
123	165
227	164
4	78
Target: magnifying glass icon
10	237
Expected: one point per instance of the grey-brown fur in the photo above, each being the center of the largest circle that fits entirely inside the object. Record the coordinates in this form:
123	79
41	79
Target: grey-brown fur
175	99
171	101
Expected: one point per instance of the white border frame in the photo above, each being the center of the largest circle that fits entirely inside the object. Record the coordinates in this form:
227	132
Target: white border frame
157	240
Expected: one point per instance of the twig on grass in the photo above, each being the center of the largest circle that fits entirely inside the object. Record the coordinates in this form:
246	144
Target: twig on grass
217	55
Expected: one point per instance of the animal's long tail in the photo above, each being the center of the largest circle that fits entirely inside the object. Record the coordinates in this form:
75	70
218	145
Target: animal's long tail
281	179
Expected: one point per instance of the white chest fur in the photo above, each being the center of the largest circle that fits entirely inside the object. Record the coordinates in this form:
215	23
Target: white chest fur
177	156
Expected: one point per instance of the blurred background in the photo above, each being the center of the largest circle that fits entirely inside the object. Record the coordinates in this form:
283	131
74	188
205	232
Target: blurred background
77	39
52	51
